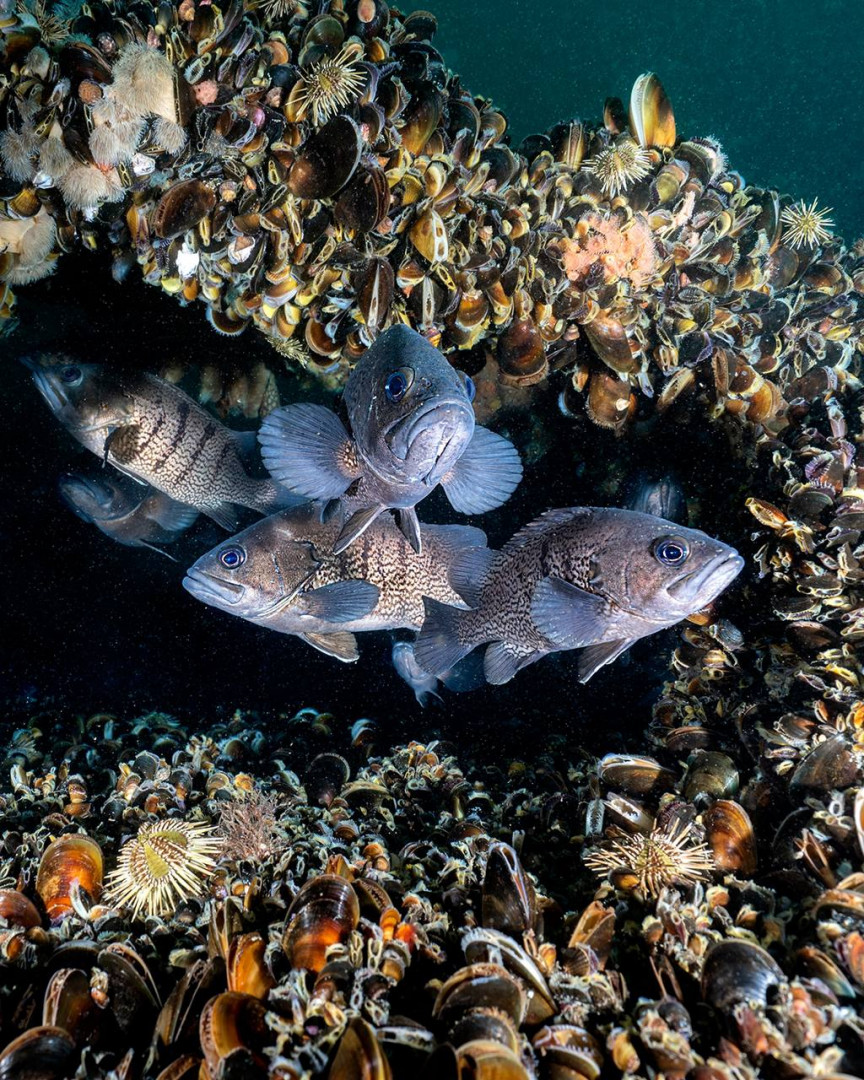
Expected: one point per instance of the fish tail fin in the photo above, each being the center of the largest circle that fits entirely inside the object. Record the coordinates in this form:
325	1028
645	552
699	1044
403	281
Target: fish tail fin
438	647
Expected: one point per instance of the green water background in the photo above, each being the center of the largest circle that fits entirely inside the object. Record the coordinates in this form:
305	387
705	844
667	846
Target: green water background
779	82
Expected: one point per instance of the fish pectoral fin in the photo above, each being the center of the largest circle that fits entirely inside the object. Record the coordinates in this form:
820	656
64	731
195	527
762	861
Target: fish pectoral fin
569	616
486	474
341	645
410	526
223	514
246	443
306	448
343	601
122	443
592	658
173	516
355	526
502	661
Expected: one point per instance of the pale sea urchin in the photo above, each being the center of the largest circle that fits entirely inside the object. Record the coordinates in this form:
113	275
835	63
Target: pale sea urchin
330	85
668	855
167	862
619	165
806	226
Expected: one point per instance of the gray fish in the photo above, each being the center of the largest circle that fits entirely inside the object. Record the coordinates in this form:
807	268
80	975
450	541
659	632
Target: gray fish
467	675
152	431
661	496
580	578
282	573
131	513
411	428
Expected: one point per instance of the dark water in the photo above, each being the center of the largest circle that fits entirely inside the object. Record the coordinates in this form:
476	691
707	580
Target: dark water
100	626
776	81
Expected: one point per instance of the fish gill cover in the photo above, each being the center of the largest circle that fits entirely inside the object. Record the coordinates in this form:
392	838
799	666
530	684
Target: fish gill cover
657	874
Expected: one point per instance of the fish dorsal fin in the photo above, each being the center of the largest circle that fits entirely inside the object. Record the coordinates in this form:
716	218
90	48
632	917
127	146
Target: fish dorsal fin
355	526
569	616
341	645
173	516
306	448
410	526
469	572
551	519
501	662
486	474
343	601
223	514
594	657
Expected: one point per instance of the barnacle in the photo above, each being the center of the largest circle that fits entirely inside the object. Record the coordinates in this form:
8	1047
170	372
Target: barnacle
806	226
668	855
165	863
331	84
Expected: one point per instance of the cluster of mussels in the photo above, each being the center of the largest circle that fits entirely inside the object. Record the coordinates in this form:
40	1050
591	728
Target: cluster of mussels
323	175
294	921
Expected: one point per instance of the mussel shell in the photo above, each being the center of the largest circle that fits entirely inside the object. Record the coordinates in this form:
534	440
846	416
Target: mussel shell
572	1048
829	765
70	862
375	285
326	776
327	160
181	208
712	775
364	202
651	118
635	774
509	902
739	972
40	1053
68	1004
359	1055
246	969
18	910
480	985
323	913
522	354
232	1022
731	837
420	118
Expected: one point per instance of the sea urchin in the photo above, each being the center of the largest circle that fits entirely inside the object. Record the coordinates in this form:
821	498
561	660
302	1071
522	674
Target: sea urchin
668	855
330	85
167	862
619	165
805	225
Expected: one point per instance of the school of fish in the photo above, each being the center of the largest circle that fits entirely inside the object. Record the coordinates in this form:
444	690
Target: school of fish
341	550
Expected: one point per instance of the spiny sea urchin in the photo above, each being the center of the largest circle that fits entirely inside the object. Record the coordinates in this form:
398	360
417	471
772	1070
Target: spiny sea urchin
619	165
805	225
330	85
167	862
668	855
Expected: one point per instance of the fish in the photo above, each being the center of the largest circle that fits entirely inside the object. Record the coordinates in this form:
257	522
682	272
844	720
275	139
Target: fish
131	513
465	676
661	496
589	578
411	428
154	432
282	573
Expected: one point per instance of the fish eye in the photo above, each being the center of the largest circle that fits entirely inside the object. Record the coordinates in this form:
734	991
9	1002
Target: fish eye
671	550
398	384
232	557
470	388
71	374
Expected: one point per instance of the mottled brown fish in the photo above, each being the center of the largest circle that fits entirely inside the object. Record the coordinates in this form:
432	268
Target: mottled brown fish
131	513
151	430
580	578
281	573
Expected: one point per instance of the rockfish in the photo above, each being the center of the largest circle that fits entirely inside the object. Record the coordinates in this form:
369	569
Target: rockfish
152	431
281	573
411	428
581	578
126	511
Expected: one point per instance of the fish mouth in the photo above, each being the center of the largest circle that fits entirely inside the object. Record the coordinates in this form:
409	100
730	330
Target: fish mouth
212	590
50	390
433	436
708	580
